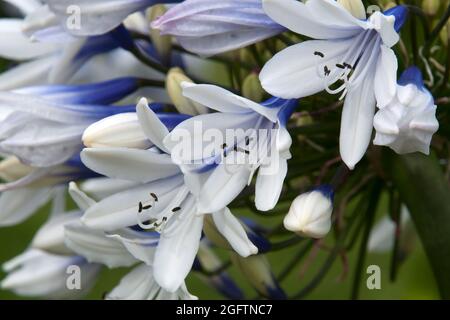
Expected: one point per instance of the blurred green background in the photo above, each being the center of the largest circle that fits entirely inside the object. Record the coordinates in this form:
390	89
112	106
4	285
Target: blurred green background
414	280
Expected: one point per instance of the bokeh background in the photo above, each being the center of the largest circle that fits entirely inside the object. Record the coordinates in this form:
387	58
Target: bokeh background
414	279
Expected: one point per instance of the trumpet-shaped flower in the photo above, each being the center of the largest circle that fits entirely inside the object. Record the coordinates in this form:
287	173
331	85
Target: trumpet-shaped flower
346	54
211	27
219	152
161	202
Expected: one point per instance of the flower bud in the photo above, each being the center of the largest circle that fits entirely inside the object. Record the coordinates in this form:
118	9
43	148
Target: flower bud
408	122
213	235
310	213
174	78
162	43
120	130
445	34
208	261
11	169
355	7
252	89
431	7
256	269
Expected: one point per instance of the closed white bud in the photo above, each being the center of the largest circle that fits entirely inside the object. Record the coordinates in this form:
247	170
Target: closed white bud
355	7
174	78
310	213
120	130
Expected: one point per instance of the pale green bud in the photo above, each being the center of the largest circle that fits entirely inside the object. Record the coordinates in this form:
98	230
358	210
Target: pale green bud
431	7
162	43
256	269
174	78
252	89
355	7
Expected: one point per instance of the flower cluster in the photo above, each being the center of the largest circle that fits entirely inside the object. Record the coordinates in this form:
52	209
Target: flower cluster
124	105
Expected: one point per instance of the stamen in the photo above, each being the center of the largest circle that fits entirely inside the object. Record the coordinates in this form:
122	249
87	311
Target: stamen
154	196
176	209
320	54
340	66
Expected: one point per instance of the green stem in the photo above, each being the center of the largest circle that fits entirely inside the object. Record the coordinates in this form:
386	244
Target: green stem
370	217
435	33
424	189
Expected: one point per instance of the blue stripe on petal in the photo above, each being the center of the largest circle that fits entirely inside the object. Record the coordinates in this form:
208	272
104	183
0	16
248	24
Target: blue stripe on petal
225	285
96	93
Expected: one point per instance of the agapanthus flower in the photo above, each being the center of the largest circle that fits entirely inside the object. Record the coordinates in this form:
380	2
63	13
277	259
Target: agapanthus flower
406	120
36	273
346	50
258	140
211	27
162	203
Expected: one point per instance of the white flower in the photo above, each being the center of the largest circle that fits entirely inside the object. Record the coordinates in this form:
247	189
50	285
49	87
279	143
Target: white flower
310	213
139	284
36	273
408	121
348	51
218	168
210	27
161	198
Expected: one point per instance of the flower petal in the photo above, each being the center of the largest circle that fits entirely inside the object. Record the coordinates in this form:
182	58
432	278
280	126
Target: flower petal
385	84
357	122
153	128
234	232
269	183
318	19
295	72
176	252
141	165
13	208
96	247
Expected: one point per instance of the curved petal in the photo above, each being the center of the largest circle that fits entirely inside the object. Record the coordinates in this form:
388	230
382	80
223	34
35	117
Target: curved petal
176	252
121	210
318	19
97	16
223	185
13	208
96	247
141	245
269	184
82	200
16	46
141	165
153	128
230	227
357	122
296	71
385	84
